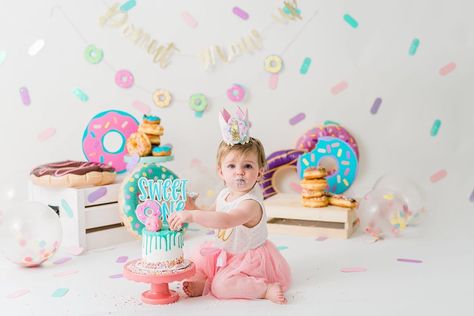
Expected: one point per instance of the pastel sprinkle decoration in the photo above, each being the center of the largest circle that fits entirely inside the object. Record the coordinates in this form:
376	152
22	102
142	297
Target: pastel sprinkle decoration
375	106
122	259
18	293
409	260
25	96
116	276
351	21
305	66
62	260
81	95
198	114
435	127
66	208
97	194
282	248
321	238
273	82
471	198
341	86
128	5
189	19
240	13
413	47
438	175
297	118
354	269
295	187
60	292
141	107
447	69
46	134
36	47
3	56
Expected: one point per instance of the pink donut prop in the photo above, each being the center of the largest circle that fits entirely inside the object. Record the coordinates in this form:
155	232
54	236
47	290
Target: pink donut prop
309	140
236	93
286	158
146	209
124	79
99	127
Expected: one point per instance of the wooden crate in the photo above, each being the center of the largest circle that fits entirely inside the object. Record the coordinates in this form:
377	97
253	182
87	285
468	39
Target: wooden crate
286	215
85	223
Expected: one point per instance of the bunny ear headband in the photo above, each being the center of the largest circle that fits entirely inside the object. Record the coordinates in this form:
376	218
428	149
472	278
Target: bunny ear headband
234	129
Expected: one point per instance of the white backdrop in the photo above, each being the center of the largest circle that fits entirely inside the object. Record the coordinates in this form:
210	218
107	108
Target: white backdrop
373	59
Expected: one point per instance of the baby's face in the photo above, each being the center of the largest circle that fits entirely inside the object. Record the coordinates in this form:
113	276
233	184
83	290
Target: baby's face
240	172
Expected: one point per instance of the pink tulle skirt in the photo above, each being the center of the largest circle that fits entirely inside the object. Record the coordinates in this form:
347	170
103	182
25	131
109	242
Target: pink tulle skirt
243	275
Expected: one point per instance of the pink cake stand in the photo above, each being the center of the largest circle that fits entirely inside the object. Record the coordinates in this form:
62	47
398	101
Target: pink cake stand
159	292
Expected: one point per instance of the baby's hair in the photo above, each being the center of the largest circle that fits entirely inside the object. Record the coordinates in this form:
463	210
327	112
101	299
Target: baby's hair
253	145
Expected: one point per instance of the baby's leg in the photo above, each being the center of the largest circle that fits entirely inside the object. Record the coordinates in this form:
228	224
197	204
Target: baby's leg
246	287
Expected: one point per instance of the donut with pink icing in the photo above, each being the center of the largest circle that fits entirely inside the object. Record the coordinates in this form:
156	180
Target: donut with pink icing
309	140
103	125
146	209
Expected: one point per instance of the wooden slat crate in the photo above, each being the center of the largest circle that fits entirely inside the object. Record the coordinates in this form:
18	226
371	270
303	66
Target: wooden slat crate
286	215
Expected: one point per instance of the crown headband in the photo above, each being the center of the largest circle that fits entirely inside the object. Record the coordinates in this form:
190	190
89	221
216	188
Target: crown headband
234	129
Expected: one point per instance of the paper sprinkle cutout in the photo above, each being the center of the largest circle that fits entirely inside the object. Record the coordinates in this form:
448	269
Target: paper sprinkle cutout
116	276
66	208
409	260
211	232
122	259
297	118
97	194
375	106
353	269
62	260
351	21
471	198
282	248
321	238
36	47
240	13
438	175
25	96
435	127
60	292
413	47
447	69
273	82
18	293
128	5
189	19
81	95
46	134
141	107
341	86
305	66
295	187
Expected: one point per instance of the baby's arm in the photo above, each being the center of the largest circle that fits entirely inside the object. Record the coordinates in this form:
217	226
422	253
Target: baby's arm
248	211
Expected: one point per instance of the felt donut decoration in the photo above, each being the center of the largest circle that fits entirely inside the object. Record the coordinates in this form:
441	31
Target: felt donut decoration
342	153
286	158
101	125
308	141
145	192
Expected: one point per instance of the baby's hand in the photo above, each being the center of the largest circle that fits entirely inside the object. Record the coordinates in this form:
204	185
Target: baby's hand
191	201
177	219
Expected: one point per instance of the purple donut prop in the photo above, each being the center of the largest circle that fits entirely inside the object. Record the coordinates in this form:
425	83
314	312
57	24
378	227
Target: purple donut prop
277	160
308	141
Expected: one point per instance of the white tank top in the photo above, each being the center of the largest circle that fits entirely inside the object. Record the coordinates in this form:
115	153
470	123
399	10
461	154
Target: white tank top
241	238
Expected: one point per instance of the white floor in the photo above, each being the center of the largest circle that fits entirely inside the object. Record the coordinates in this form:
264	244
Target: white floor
442	284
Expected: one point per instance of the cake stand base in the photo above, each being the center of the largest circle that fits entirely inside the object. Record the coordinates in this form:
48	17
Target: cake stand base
159	293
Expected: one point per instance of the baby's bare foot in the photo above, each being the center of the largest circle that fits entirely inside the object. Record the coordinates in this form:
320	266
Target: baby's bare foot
193	288
275	294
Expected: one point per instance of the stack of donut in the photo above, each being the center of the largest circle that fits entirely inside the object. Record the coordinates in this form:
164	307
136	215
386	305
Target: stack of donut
146	141
313	188
314	191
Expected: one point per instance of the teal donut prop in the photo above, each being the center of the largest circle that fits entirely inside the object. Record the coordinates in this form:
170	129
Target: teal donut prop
145	183
342	153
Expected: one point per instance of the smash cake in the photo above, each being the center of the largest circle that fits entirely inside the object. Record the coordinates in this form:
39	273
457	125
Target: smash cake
149	194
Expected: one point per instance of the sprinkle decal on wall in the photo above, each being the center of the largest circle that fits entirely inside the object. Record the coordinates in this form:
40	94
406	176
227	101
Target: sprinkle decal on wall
435	127
376	105
25	96
351	21
414	47
447	69
189	19
240	13
338	88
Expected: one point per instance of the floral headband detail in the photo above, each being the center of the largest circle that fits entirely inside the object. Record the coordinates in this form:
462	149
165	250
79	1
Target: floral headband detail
234	129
